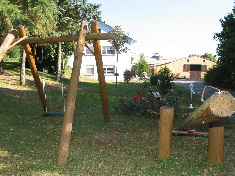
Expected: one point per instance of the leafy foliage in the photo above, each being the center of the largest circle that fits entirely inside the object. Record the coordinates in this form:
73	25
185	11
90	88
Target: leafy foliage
127	76
118	43
145	104
209	56
226	53
141	66
162	80
219	76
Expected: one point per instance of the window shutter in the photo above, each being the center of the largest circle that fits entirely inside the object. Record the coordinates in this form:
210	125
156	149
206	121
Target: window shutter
186	67
204	68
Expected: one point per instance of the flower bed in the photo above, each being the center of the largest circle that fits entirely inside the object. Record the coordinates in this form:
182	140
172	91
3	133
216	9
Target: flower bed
145	104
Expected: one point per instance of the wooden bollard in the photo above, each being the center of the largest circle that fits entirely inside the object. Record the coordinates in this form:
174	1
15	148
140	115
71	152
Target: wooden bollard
216	142
165	132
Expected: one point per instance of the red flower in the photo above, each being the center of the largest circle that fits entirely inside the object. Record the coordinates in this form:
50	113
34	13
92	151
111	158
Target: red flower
136	98
140	91
122	95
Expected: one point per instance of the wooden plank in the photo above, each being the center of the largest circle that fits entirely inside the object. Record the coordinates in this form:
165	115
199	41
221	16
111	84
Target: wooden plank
34	71
71	98
100	70
65	38
6	44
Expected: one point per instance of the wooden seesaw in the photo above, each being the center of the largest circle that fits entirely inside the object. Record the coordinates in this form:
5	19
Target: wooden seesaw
219	106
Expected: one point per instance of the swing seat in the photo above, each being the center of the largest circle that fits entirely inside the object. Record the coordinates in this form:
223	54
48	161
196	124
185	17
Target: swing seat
53	114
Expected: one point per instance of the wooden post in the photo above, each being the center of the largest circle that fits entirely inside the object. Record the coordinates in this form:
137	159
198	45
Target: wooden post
34	71
216	142
71	98
7	43
100	71
165	132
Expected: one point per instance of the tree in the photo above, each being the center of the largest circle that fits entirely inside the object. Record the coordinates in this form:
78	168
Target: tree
141	66
209	56
226	48
71	14
118	43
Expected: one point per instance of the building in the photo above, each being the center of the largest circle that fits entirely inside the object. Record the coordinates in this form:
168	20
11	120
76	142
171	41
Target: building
111	64
192	67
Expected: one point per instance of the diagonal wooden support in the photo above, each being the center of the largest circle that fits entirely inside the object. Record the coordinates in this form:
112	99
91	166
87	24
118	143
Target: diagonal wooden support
34	70
100	70
71	98
6	44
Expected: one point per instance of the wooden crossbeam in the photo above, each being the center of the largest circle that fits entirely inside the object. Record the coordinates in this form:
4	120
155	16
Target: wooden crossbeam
65	38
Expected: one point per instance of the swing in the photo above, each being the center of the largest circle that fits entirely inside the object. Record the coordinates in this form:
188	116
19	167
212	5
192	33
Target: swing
47	113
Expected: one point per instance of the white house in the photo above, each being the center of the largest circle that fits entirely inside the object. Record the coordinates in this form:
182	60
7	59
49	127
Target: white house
109	58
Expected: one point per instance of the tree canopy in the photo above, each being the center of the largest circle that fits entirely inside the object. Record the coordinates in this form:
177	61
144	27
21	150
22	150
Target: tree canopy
224	74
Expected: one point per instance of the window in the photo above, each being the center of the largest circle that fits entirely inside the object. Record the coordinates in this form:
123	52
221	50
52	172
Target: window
107	50
204	60
109	69
88	52
90	70
187	60
195	67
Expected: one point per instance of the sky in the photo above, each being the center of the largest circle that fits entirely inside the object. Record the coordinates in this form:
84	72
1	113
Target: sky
172	28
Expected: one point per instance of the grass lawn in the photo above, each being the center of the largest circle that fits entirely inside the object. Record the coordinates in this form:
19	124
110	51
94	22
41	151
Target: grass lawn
29	142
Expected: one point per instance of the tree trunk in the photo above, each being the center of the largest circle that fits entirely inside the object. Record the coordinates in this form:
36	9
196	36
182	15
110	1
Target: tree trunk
217	107
59	63
22	71
71	98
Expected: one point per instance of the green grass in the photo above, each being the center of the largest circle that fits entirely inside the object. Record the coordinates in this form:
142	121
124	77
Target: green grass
126	145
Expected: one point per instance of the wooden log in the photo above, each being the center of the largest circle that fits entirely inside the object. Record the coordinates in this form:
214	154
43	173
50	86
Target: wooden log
71	98
217	107
216	142
34	71
165	132
65	38
100	71
9	39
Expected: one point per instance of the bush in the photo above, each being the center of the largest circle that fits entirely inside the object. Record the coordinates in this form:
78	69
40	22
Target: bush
162	80
154	79
146	105
127	76
219	76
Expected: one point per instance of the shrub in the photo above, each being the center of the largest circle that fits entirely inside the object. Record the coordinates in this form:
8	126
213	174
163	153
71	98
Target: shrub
146	105
218	76
127	76
162	80
154	79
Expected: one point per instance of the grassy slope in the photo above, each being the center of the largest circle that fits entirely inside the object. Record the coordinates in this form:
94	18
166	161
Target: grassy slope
125	146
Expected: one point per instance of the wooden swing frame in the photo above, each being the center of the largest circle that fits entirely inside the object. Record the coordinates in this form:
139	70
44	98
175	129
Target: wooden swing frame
79	42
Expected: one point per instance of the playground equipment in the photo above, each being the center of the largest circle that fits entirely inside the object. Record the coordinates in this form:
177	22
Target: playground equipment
213	112
80	39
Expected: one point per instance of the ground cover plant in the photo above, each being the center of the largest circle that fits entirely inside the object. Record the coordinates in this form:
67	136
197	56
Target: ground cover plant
127	145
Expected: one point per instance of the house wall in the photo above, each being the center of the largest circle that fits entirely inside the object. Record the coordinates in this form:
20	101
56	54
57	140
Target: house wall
177	66
124	63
